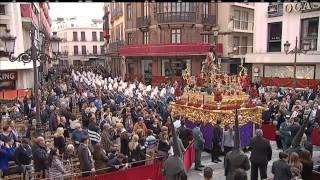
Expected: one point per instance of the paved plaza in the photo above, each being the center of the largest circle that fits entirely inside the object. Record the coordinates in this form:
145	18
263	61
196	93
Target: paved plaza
218	169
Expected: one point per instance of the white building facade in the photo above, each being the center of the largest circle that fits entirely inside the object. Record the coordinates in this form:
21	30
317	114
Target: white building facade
277	23
19	18
83	41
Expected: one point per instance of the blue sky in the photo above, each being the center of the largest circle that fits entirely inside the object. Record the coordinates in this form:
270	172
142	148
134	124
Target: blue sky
93	10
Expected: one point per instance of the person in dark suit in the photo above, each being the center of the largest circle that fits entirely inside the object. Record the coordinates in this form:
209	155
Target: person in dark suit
216	142
85	116
294	128
281	169
184	134
198	144
85	157
261	153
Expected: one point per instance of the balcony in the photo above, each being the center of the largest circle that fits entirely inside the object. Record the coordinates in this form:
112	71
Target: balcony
312	40
143	22
242	26
208	20
28	16
275	10
114	47
115	13
176	17
44	23
182	49
242	50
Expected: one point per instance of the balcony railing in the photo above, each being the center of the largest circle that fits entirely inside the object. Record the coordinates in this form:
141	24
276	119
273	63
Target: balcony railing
26	12
208	19
114	46
143	22
242	50
176	17
242	26
115	13
312	40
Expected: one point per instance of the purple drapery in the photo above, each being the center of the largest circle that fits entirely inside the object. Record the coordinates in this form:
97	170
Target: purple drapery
246	133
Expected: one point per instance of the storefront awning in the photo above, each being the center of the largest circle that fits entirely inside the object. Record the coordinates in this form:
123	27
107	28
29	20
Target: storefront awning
185	49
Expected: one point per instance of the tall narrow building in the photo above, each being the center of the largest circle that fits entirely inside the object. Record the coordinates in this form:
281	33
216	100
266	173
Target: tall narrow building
19	18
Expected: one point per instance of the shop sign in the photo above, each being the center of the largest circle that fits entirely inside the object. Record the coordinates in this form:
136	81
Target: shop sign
8	76
302	6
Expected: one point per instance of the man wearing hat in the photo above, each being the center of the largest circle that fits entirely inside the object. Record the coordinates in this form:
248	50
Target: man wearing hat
285	133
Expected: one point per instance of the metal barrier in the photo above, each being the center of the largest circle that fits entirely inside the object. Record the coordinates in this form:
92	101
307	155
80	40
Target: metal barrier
14	94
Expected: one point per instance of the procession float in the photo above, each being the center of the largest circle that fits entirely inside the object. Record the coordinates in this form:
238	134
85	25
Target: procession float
217	97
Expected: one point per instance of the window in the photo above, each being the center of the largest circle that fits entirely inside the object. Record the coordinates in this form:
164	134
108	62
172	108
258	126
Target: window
175	35
236	44
75	36
244	45
309	32
3	28
145	9
2	9
102	50
83	36
206	38
241	20
174	67
84	50
274	37
205	9
130	38
146	37
101	36
94	36
94	50
129	12
75	50
244	20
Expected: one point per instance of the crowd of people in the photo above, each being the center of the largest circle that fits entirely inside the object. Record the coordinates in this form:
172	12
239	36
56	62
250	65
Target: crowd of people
110	124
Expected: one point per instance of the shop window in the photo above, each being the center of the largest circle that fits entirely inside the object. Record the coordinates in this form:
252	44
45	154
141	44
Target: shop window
274	37
309	32
175	35
174	67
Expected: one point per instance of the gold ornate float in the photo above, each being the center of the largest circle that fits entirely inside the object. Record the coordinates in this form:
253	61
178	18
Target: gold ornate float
218	97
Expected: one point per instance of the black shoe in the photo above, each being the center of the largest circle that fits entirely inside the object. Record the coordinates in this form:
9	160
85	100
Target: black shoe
218	160
201	166
215	161
197	169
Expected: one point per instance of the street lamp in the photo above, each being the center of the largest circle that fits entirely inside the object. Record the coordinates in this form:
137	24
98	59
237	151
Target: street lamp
33	54
295	51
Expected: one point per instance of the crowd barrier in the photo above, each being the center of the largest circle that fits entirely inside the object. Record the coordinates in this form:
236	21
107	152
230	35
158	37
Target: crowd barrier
289	82
14	94
152	171
269	132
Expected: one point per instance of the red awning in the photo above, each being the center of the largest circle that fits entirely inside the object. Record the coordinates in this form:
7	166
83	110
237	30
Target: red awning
185	49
